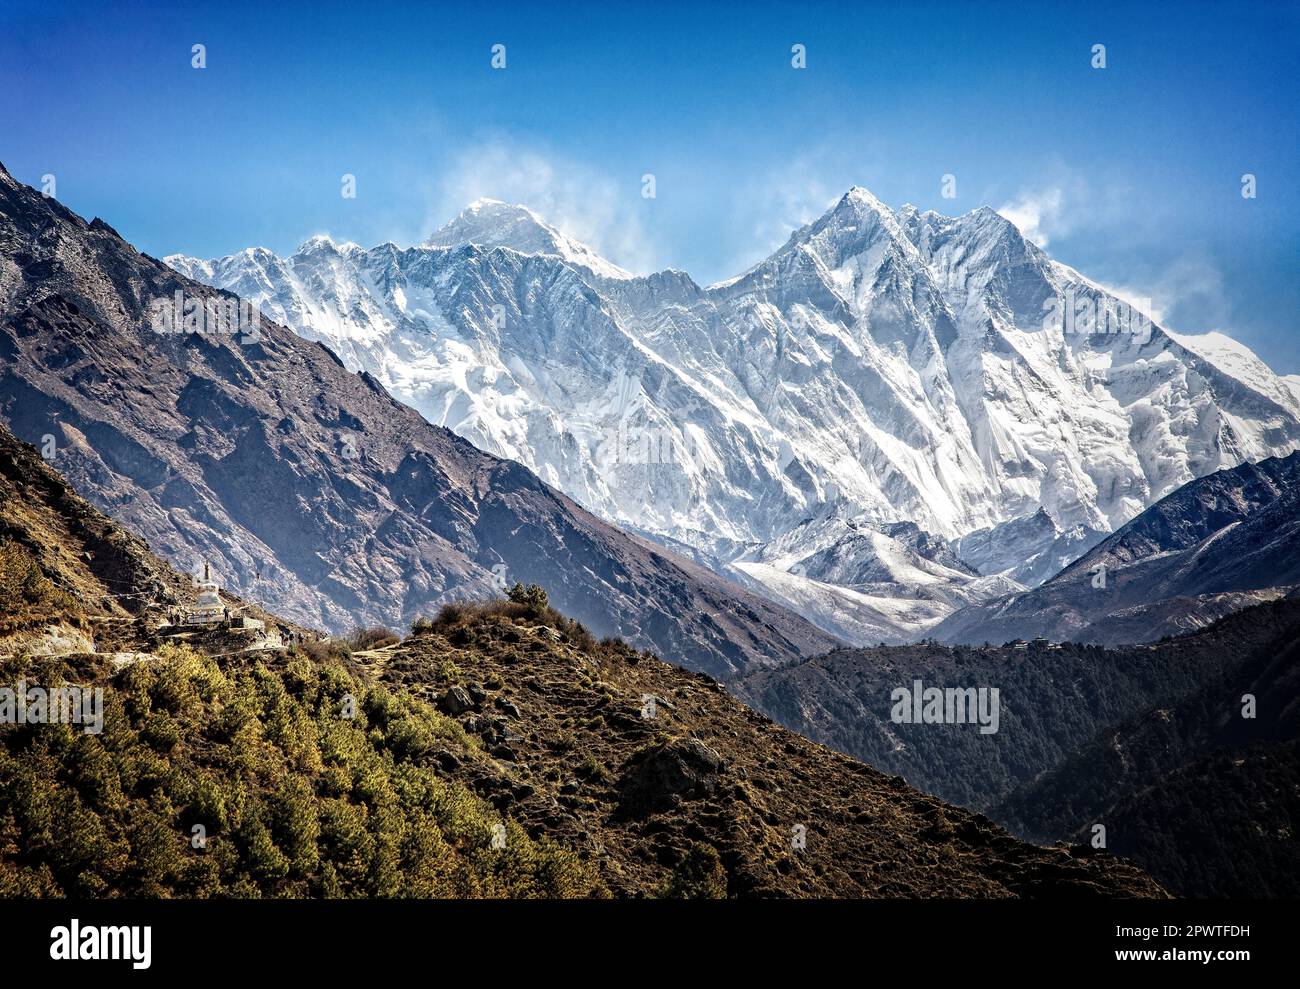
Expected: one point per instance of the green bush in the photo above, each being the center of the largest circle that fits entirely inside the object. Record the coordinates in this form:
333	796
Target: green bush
698	876
371	638
23	587
532	597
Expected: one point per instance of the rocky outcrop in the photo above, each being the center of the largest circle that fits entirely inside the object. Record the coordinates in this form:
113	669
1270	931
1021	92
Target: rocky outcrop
663	774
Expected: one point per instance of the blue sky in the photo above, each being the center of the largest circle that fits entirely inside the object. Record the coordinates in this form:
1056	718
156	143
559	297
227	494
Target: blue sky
1130	173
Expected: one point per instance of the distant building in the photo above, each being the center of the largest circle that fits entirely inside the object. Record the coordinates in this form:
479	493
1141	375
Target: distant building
209	610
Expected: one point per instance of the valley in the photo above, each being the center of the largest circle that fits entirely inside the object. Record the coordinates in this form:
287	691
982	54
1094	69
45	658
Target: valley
498	750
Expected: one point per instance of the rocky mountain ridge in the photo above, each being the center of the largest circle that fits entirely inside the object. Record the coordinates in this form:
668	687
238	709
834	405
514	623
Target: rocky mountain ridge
1219	543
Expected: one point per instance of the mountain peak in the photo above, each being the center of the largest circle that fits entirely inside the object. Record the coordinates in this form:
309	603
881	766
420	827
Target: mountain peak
847	228
499	205
488	214
857	203
861	194
324	243
490	222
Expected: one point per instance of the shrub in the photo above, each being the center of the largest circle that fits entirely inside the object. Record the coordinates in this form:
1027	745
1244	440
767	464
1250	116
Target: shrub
452	613
371	638
698	876
296	800
592	770
532	597
24	587
325	651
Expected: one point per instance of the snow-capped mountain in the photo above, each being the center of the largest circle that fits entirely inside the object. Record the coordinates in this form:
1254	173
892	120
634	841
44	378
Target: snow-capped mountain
491	223
1029	549
882	366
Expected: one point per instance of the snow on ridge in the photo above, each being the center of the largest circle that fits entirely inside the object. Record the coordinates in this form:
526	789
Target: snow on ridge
1240	362
1292	381
493	223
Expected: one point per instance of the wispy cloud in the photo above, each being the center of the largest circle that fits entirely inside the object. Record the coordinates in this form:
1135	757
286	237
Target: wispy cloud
771	205
1067	205
1140	298
589	206
1039	214
792	198
1187	294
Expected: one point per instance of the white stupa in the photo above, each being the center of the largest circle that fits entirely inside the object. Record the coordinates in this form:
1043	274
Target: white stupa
209	609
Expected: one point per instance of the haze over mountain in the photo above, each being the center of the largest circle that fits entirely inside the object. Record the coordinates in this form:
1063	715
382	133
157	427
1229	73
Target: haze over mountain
304	485
883	366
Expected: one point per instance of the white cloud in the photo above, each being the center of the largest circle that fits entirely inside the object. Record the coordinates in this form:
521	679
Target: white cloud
1038	214
1139	298
586	205
793	198
771	205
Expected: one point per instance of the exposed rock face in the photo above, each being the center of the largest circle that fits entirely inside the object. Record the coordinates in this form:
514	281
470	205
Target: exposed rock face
666	773
306	486
108	570
456	701
1216	545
